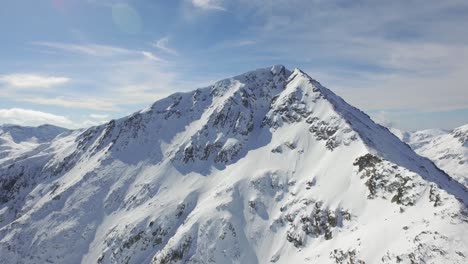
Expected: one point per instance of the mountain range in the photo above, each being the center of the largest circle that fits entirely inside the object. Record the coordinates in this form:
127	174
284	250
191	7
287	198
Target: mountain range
448	149
264	167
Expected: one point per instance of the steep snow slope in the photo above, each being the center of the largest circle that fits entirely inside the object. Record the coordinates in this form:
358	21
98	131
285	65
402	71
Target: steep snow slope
448	149
265	167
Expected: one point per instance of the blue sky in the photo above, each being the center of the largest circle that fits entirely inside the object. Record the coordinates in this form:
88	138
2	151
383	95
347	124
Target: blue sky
77	63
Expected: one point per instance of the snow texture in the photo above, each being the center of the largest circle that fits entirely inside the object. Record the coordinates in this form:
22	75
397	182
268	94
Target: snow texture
265	167
448	149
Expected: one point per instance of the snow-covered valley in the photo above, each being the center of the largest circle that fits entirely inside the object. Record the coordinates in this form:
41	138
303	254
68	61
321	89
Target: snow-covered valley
265	167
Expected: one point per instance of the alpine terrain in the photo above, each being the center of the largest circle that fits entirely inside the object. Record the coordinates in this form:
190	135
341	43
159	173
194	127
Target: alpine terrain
265	167
448	149
17	140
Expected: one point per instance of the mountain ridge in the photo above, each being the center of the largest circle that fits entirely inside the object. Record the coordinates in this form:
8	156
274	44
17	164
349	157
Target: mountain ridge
267	166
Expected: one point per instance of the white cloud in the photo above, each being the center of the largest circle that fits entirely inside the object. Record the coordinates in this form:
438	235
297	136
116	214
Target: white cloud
21	116
81	102
209	4
383	118
245	43
90	123
390	55
98	50
423	83
32	80
127	77
131	94
99	116
163	44
150	56
88	49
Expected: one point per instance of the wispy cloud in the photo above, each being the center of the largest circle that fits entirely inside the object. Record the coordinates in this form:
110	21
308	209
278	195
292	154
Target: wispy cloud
107	100
99	116
93	120
246	42
163	44
22	116
89	123
98	50
82	102
126	96
399	90
387	55
126	77
22	80
382	117
209	4
87	49
150	56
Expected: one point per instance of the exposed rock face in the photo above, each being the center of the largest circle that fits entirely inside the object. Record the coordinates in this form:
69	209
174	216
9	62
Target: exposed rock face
461	133
244	100
264	167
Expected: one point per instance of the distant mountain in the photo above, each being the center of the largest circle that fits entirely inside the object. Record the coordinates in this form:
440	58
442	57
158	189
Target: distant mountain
37	134
265	167
448	149
16	140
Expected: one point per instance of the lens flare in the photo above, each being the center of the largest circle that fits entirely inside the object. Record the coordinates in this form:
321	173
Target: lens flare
58	4
126	18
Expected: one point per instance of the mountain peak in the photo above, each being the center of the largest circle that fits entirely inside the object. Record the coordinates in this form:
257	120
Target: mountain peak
40	133
278	69
461	133
266	166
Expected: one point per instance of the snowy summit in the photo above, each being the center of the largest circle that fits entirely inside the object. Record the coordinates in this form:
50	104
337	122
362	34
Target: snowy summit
265	167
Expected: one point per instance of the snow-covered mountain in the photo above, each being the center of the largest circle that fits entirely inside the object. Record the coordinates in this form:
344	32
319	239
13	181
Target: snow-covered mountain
17	140
448	149
265	167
